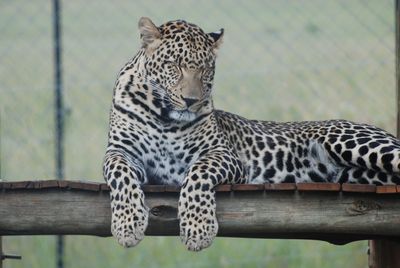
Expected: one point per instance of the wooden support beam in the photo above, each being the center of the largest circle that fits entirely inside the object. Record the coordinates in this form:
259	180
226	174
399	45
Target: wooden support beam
384	253
1	252
334	216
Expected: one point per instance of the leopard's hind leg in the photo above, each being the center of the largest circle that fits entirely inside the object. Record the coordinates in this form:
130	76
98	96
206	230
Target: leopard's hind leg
366	176
363	149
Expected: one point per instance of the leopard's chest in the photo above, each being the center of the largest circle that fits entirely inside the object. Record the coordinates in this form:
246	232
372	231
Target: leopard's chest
168	160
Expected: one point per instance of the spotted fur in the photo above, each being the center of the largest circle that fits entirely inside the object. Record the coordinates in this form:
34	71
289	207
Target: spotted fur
164	130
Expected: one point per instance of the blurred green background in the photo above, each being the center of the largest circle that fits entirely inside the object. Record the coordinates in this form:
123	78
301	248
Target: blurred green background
281	60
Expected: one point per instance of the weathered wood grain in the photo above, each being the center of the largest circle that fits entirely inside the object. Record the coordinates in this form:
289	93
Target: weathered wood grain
386	189
280	186
332	187
333	216
361	188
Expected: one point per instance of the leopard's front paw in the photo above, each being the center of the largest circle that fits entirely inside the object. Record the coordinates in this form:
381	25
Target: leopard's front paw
129	224
198	228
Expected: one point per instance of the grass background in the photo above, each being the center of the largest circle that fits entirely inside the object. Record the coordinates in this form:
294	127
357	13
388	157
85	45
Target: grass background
281	60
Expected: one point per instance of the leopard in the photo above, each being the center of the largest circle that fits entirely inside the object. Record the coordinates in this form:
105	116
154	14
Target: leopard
164	130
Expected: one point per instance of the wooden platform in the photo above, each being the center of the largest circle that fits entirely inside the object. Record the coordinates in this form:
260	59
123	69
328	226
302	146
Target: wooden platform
321	211
94	186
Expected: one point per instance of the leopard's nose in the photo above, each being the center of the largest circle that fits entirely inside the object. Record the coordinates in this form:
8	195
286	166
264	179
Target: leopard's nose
190	101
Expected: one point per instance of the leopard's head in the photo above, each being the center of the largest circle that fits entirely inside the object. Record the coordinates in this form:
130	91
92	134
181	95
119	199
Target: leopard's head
179	62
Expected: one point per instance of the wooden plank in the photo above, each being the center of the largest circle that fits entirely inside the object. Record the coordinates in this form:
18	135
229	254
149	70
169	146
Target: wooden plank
77	185
248	187
20	184
361	188
153	188
62	184
104	187
94	186
280	186
6	185
172	188
279	214
386	189
36	184
49	184
223	188
332	187
87	186
30	185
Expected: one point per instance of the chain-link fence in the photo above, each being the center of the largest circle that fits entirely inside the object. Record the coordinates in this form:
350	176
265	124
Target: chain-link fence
281	60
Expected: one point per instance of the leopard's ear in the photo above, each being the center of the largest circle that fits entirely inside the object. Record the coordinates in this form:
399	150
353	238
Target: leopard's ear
149	33
217	38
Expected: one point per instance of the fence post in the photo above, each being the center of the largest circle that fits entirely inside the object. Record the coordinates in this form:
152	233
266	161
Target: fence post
397	62
59	114
385	253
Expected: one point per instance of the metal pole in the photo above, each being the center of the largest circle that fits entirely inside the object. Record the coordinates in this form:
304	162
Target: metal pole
397	62
1	239
59	115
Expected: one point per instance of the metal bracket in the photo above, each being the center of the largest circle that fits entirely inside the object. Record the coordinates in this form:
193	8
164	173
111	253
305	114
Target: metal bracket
6	256
9	256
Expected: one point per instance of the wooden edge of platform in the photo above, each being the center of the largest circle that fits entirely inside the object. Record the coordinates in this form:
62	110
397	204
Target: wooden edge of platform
302	187
319	186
